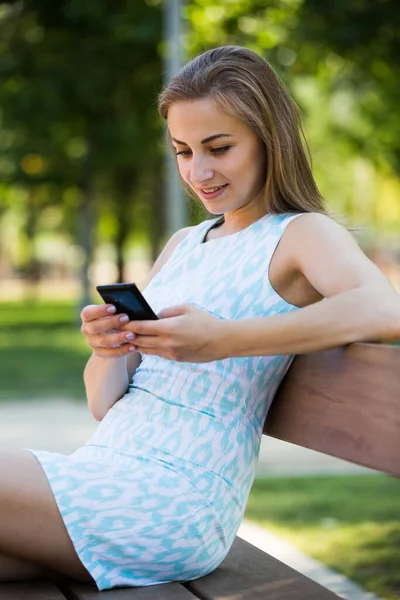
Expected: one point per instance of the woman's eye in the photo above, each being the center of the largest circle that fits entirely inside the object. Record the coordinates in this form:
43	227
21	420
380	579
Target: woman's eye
183	153
220	149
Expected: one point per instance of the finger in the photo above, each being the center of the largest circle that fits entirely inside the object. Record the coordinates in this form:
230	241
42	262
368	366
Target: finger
150	327
173	311
112	352
162	353
147	341
96	311
110	340
101	325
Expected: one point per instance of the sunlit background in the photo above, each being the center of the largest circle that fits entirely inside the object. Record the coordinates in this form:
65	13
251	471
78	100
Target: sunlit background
86	195
83	189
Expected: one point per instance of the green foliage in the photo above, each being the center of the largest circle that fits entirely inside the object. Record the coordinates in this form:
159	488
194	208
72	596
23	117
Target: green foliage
78	105
345	86
358	44
78	82
78	108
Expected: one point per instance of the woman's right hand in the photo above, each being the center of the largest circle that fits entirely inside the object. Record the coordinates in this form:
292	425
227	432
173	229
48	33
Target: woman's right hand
102	330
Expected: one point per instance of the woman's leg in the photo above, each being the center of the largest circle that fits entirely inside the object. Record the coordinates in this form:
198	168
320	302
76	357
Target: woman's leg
31	527
16	569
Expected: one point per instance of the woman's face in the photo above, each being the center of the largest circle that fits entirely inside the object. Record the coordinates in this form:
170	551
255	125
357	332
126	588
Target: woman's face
218	156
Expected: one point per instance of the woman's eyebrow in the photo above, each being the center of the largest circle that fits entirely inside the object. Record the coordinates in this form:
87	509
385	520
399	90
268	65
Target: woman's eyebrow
206	140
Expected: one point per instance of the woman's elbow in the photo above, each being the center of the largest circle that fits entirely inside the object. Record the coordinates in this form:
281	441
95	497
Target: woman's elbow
100	409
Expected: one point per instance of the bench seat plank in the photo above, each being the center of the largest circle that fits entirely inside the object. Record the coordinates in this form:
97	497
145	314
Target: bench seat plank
343	402
30	590
248	573
166	591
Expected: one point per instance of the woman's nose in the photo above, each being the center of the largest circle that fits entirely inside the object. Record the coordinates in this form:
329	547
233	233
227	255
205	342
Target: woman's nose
200	172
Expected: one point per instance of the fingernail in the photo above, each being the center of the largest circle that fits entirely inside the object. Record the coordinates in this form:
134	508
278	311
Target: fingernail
124	319
132	348
111	309
130	336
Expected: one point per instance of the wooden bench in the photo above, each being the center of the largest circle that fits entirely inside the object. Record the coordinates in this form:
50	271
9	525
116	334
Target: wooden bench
343	402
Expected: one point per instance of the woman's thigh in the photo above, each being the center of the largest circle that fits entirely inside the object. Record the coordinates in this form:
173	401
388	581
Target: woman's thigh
17	569
31	527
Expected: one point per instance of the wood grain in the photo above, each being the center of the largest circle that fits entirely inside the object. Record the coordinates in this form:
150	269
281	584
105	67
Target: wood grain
30	590
248	573
166	591
344	402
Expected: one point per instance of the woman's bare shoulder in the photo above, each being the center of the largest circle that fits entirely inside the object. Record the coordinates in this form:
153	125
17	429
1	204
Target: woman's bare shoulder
329	256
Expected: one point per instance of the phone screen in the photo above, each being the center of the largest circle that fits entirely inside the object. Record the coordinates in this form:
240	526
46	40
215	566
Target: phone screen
125	301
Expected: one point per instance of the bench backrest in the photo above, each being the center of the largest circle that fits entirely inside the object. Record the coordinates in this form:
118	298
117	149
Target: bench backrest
344	402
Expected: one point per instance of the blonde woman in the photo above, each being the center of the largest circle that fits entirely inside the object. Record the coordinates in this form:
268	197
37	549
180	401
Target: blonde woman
159	491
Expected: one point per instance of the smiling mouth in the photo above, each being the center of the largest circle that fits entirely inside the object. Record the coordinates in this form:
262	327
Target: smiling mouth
214	189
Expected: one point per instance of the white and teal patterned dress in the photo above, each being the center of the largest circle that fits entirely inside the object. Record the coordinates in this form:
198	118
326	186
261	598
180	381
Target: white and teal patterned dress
159	491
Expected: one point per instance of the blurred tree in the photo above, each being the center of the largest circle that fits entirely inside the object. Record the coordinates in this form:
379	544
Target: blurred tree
352	48
358	42
340	61
79	82
77	100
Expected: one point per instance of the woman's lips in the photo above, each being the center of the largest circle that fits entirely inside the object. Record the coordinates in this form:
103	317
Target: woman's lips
218	190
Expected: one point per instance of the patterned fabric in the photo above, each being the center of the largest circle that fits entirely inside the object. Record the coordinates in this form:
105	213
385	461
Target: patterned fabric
159	491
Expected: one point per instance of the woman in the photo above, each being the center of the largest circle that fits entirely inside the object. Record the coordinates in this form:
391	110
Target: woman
159	491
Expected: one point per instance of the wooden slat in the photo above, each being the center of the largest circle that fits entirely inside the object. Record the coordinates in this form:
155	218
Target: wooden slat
30	590
343	402
247	573
166	591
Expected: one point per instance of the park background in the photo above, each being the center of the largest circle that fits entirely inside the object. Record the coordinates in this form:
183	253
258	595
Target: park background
85	197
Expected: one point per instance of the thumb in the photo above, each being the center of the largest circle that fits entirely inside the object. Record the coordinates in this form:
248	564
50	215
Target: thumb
173	311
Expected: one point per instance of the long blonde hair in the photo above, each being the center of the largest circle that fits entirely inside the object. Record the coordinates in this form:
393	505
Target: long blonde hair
245	85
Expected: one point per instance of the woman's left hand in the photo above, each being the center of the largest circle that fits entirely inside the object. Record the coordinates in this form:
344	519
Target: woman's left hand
183	333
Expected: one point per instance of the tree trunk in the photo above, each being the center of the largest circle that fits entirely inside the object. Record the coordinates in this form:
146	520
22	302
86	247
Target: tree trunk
87	224
158	211
32	267
124	180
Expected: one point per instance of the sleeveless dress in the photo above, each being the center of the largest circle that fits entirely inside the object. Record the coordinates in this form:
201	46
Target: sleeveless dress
159	491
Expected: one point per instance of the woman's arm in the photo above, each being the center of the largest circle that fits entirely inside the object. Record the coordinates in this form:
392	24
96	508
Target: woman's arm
357	315
360	303
107	378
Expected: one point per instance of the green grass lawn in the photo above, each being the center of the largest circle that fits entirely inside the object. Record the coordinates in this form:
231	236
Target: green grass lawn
350	523
42	351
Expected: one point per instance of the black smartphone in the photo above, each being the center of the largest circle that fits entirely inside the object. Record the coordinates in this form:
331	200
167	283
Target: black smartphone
127	298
